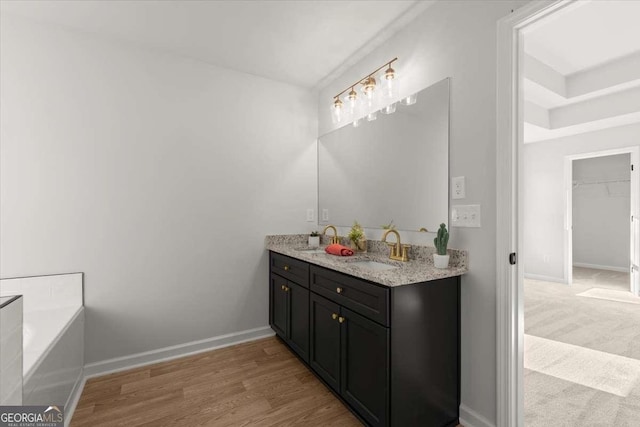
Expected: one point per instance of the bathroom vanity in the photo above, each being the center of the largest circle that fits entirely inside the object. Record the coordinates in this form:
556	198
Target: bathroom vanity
386	341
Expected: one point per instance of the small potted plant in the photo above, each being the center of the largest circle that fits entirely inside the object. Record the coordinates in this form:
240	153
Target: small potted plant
314	239
357	237
441	258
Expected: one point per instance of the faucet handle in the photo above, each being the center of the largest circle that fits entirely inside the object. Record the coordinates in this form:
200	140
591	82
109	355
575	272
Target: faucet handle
405	249
392	249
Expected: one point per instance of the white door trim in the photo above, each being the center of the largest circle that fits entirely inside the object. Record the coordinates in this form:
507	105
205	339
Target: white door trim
635	224
634	152
509	279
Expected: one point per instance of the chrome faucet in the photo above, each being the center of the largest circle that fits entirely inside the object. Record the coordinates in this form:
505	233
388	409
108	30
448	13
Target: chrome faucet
397	251
335	238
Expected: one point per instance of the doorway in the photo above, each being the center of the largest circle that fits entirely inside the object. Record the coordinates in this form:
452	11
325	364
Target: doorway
510	203
600	226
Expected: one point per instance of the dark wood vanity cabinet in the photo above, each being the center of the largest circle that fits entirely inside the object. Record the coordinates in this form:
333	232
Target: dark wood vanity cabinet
289	309
324	356
392	354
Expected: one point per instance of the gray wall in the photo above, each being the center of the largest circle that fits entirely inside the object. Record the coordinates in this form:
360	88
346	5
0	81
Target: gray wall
457	40
157	176
601	212
545	194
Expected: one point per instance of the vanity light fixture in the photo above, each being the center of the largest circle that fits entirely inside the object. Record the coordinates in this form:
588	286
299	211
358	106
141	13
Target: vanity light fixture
369	85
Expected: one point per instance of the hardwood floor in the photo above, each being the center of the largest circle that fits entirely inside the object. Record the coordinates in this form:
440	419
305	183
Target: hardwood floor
260	383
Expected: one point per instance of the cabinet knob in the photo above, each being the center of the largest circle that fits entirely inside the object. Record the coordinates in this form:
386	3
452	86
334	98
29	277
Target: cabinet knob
286	268
341	319
334	316
282	287
339	290
286	289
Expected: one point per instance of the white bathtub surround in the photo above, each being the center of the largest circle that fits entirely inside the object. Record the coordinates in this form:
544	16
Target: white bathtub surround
59	370
46	292
52	338
11	350
50	303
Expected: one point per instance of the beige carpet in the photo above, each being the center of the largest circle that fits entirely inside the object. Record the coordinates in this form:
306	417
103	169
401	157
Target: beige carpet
560	393
611	295
595	369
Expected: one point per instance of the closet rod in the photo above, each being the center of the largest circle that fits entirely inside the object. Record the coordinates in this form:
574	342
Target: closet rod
611	181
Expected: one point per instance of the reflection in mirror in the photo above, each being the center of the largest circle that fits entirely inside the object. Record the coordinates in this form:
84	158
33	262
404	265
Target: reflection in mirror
395	168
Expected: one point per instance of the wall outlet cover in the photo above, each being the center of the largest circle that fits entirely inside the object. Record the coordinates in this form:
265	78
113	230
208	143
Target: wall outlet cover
458	190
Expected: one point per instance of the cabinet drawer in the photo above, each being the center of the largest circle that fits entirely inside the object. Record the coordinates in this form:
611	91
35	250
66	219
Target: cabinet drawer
358	295
292	269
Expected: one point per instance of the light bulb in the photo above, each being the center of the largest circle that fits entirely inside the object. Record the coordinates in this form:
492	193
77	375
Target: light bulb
389	83
390	74
336	110
369	86
353	103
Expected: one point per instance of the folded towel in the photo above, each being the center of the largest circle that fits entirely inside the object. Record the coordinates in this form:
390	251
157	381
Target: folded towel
339	250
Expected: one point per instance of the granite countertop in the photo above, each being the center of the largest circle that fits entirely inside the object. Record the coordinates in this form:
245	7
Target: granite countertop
418	269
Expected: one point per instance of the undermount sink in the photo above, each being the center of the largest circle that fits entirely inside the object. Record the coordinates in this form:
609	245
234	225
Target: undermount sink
374	265
311	250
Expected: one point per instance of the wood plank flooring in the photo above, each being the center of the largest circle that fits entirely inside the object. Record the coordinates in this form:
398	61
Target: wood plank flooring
260	383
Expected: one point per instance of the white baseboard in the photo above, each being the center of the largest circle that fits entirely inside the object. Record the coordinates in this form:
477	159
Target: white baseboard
168	353
601	267
544	278
74	398
470	418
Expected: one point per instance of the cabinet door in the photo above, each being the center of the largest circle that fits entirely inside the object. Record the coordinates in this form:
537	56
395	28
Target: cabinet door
324	356
278	312
299	320
365	367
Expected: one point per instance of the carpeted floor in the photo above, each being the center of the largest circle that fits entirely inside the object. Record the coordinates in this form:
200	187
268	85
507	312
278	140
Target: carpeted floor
576	345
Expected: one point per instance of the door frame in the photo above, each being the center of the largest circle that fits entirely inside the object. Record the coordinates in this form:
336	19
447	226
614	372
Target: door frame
510	137
634	153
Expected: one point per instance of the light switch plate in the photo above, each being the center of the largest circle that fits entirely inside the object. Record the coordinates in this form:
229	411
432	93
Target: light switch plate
458	187
310	215
465	216
325	214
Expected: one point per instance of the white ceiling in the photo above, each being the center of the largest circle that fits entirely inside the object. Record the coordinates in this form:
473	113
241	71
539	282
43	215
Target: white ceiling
582	69
297	42
586	34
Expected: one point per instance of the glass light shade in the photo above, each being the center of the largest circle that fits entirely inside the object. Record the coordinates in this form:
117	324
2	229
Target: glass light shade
356	123
369	87
354	104
389	87
389	109
336	113
410	100
372	116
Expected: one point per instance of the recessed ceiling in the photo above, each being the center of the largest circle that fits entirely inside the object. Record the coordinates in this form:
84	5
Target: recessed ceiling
586	34
582	69
298	42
